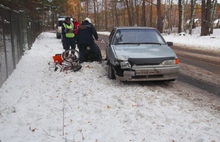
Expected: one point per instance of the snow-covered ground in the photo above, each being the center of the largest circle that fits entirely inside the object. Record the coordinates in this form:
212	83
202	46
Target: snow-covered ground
40	105
195	41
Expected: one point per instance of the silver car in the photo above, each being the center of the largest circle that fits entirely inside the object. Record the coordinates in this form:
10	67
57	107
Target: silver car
140	54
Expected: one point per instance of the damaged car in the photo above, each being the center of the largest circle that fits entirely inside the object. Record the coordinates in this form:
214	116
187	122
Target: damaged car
140	54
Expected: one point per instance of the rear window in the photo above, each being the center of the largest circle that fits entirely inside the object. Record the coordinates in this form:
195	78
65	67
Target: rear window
60	21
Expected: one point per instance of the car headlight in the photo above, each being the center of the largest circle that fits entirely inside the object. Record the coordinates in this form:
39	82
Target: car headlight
125	65
170	62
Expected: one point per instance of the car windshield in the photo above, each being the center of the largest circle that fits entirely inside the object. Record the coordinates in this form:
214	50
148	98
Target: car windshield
138	36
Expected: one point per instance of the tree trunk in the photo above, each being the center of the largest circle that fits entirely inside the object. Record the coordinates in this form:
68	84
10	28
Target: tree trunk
209	15
129	13
191	22
106	13
116	15
136	17
165	16
151	13
183	16
205	22
97	17
180	16
95	12
143	13
159	17
132	12
214	3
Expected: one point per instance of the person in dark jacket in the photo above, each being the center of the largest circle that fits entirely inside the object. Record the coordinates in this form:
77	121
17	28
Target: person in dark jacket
68	34
86	35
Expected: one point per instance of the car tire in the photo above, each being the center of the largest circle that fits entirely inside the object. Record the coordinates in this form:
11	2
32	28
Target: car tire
58	36
111	74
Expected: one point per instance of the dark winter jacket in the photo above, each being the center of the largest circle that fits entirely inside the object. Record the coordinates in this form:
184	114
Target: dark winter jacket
86	32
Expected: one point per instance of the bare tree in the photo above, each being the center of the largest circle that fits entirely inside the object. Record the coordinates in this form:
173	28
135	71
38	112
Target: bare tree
170	15
192	15
151	13
132	11
97	16
181	16
205	17
129	13
214	4
159	17
106	13
143	14
95	11
136	17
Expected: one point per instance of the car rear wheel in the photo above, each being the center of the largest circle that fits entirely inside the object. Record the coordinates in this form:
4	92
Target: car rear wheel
58	36
111	74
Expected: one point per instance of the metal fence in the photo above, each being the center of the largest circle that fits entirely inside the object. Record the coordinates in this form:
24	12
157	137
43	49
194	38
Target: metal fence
17	34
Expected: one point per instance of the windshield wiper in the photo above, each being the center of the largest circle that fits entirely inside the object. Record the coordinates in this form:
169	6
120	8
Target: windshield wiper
139	43
127	43
151	43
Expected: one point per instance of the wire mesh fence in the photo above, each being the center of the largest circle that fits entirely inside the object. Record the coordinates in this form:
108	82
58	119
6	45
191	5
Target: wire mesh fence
17	34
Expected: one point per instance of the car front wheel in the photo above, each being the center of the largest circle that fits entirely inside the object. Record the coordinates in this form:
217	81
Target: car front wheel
111	74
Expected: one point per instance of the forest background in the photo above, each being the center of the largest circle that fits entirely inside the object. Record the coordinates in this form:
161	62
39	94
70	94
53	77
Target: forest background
165	15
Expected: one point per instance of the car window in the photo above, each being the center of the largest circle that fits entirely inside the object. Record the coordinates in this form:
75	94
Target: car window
60	23
111	34
124	36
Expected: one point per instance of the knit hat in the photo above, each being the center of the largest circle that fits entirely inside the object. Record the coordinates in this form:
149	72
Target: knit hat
67	18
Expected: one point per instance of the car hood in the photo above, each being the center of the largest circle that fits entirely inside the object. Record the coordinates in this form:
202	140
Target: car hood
124	52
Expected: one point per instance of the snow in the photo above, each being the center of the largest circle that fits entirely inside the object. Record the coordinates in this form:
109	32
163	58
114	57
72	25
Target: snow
195	41
40	105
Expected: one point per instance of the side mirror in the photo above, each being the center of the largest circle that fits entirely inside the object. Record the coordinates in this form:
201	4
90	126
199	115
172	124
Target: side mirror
118	36
170	43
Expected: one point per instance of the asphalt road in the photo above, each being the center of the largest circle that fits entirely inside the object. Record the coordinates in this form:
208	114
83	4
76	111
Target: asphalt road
199	69
205	64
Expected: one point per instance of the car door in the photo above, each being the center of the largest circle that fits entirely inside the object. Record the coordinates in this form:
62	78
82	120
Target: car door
109	51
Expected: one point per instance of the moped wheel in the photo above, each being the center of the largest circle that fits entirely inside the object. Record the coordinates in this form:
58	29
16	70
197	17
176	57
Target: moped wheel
70	55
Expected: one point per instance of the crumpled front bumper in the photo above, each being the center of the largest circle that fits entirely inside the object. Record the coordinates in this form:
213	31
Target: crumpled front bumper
158	73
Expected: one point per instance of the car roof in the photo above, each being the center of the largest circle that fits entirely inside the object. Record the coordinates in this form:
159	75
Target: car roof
63	18
133	27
